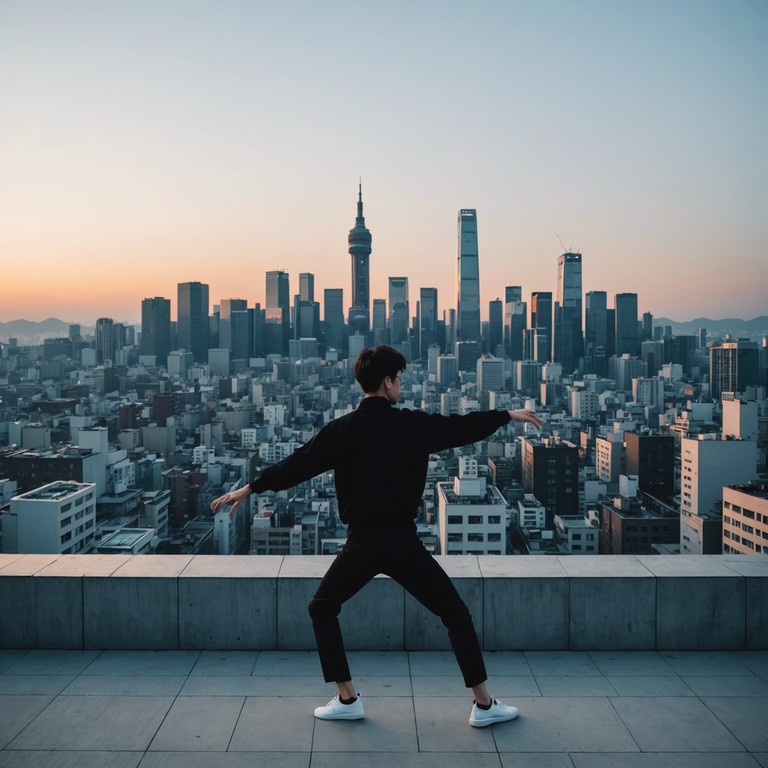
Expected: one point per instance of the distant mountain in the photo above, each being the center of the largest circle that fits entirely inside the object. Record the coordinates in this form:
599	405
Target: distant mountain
33	332
758	326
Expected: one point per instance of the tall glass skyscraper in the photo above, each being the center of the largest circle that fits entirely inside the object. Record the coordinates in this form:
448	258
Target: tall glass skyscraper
277	318
627	341
226	309
399	309
427	323
359	241
192	319
156	328
569	337
541	322
333	317
468	279
596	320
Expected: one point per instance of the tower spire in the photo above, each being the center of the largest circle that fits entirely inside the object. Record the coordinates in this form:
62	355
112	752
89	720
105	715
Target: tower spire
360	220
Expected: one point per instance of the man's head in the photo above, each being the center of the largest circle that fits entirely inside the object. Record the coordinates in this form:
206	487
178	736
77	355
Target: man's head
378	367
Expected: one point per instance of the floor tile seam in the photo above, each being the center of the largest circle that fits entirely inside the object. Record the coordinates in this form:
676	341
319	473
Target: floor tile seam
621	720
715	715
234	727
16	735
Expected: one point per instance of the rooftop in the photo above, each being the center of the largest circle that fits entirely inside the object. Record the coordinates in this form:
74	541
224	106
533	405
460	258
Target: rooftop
55	491
636	709
607	668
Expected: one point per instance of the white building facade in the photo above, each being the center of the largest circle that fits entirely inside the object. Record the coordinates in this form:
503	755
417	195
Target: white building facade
471	514
57	518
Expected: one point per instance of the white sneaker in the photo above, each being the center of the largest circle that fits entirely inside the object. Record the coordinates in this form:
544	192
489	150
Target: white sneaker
335	710
498	713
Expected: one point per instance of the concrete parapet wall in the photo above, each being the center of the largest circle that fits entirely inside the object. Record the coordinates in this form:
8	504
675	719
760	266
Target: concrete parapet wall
518	603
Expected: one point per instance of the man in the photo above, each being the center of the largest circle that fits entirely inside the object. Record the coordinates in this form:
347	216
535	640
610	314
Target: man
379	455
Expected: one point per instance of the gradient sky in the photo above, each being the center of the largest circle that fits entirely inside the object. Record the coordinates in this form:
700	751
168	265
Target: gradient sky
147	143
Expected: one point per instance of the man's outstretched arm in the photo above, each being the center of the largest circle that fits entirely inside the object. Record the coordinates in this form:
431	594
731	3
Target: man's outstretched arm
454	431
304	463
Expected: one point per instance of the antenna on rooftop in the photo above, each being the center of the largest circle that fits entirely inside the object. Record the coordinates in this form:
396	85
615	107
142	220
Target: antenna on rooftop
565	250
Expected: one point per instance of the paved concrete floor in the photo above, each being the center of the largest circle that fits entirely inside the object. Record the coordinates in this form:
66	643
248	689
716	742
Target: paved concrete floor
123	709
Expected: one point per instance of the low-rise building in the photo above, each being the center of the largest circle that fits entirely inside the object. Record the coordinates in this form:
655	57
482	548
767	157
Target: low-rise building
57	518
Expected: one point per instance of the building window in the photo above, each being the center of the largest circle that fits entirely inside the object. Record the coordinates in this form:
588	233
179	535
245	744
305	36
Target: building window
454	538
455	520
494	537
475	537
494	519
475	519
66	507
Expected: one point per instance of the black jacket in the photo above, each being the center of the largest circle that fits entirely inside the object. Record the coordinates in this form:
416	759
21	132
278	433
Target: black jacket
380	455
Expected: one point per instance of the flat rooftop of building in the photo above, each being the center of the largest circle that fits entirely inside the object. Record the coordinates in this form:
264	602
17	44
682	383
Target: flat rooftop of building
54	491
124	538
758	491
200	709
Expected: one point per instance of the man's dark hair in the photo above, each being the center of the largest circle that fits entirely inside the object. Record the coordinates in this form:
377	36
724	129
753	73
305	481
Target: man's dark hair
373	365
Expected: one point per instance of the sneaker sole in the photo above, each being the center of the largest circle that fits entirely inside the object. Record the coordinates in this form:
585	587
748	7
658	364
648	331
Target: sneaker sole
339	717
493	720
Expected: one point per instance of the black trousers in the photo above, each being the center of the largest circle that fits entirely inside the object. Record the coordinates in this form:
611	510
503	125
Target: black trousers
401	556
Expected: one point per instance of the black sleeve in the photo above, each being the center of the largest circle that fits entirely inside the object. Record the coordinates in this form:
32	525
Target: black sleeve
313	458
443	432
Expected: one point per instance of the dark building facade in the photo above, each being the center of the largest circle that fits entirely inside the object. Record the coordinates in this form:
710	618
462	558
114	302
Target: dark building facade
627	528
733	366
156	328
569	337
652	459
192	325
551	474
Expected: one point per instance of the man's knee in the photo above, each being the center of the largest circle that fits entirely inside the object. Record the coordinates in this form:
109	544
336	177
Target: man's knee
319	609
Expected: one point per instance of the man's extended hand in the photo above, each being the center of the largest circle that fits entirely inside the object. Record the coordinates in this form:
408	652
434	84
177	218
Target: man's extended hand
526	416
233	499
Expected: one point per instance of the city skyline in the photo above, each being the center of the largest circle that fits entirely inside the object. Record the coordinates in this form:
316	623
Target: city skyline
150	146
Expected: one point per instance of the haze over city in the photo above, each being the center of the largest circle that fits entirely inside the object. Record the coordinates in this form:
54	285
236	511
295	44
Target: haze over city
146	145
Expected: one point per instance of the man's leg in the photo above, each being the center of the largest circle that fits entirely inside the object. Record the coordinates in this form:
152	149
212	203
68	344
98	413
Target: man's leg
348	573
419	573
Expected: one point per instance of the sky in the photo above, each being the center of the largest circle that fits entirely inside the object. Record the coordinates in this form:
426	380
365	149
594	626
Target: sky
144	144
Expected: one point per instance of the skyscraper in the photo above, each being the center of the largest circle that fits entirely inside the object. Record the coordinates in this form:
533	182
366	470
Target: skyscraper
495	326
515	321
359	241
306	286
597	348
277	318
733	366
333	316
192	319
596	319
568	308
306	311
379	322
226	308
399	311
427	324
627	341
468	279
156	328
541	321
105	339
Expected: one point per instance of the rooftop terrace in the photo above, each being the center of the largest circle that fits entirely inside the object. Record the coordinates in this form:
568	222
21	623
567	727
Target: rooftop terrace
614	662
200	709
